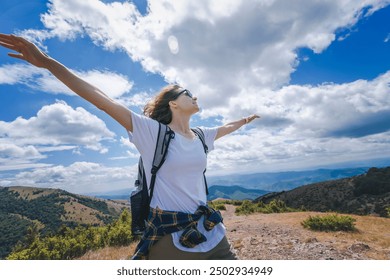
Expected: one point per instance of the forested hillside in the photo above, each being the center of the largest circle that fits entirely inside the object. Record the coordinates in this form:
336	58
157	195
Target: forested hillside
47	210
363	195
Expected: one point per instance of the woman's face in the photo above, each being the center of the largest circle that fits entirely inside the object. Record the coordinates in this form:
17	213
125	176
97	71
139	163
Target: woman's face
186	102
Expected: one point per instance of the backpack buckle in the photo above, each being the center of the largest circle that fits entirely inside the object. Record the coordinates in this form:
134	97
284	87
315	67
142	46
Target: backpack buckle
154	170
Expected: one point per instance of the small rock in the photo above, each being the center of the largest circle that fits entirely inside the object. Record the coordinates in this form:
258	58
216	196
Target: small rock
254	241
359	247
311	240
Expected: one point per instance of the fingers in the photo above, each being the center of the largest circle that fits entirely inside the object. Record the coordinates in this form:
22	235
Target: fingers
15	55
4	36
15	43
10	37
252	117
10	42
10	47
7	44
7	39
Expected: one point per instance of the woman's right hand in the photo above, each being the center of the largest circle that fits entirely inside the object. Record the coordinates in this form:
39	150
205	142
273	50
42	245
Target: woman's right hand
25	50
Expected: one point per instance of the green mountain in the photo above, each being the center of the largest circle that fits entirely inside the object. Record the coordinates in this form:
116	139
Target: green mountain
47	210
233	192
364	194
283	181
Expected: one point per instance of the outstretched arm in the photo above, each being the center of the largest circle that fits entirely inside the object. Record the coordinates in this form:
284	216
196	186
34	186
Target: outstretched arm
29	52
233	126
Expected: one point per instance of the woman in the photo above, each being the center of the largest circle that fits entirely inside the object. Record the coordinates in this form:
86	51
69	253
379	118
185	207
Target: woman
179	186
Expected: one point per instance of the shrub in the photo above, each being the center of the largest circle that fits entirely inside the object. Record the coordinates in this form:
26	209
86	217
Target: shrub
220	204
275	206
120	233
220	207
332	222
246	208
73	243
236	202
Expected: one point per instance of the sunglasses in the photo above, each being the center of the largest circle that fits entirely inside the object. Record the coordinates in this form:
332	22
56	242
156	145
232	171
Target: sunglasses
185	92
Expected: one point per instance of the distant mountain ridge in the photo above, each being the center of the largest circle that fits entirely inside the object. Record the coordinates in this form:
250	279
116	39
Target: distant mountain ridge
282	181
267	182
122	194
233	192
48	210
215	191
363	194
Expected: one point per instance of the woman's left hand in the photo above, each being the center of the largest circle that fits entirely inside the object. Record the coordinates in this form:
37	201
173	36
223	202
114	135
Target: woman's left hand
251	118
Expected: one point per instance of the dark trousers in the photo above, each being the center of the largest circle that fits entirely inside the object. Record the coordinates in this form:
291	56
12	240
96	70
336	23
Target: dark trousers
164	249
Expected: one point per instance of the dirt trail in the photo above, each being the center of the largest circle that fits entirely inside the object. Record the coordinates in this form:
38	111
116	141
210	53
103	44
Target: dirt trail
282	237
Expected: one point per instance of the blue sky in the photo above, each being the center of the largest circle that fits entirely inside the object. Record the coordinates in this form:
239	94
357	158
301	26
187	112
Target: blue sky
318	72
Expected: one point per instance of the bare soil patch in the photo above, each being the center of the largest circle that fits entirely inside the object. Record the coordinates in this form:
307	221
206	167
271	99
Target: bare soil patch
282	237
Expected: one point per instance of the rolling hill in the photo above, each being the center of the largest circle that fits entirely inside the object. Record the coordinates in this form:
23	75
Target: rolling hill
363	194
48	210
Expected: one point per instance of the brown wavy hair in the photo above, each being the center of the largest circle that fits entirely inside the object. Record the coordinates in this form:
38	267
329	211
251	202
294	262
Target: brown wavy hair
158	108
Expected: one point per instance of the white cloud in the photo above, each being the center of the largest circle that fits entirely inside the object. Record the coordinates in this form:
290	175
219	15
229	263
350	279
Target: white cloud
309	126
216	49
14	151
14	156
58	124
56	127
56	148
138	100
130	153
79	177
267	151
18	164
113	84
19	73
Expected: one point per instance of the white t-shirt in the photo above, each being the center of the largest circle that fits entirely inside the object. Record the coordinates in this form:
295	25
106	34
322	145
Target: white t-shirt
179	183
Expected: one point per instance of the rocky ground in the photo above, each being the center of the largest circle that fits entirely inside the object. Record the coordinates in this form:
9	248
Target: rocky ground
282	237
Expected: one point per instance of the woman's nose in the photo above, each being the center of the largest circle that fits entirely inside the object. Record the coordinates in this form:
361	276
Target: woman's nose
195	98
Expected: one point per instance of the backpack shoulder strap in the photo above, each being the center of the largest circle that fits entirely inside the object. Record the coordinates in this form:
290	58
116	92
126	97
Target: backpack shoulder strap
199	132
164	136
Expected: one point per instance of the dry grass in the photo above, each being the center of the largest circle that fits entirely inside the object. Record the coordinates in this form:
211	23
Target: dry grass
118	205
370	229
80	213
111	253
28	192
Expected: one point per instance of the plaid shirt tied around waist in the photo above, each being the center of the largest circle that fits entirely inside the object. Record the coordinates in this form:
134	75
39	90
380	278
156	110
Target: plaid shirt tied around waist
162	222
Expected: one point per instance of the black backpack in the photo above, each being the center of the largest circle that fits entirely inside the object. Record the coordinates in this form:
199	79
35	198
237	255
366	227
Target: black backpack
140	198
